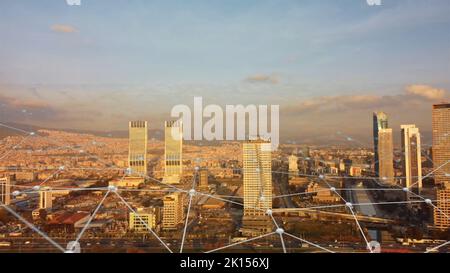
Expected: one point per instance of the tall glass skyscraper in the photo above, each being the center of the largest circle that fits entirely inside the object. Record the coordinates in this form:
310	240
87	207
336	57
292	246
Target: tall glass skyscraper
173	152
441	163
383	148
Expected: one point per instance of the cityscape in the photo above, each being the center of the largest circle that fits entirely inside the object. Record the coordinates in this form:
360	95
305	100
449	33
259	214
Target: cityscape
104	194
324	128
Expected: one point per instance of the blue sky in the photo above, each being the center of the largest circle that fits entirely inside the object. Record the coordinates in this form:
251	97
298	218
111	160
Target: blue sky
282	52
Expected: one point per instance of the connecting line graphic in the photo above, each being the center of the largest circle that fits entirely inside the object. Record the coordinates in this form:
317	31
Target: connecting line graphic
191	195
15	146
350	206
437	247
430	173
143	222
279	230
88	223
45	236
241	242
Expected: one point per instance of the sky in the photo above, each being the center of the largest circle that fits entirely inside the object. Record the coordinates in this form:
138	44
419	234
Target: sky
328	64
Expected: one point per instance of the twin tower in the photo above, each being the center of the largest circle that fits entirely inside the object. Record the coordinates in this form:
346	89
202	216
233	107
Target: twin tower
173	147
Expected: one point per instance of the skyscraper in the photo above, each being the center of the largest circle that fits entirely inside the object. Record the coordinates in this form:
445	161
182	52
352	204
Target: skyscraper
5	190
257	186
45	198
383	148
137	152
441	143
441	163
173	211
173	148
412	158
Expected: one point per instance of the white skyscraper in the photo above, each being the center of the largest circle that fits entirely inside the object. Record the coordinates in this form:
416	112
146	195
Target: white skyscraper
257	186
412	159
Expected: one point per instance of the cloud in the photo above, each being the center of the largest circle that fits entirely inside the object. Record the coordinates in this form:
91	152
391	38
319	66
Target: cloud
262	78
64	28
426	91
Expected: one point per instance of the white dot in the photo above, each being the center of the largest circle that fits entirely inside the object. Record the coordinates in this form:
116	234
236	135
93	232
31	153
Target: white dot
269	212
112	188
16	193
405	189
62	168
333	189
349	139
280	231
197	168
348	204
321	176
262	198
36	188
192	192
428	201
384	178
32	133
257	170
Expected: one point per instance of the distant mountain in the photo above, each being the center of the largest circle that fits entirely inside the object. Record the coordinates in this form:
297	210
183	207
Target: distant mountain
5	131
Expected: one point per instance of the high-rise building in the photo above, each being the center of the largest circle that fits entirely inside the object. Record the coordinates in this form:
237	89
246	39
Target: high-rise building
441	144
173	160
137	152
441	163
412	159
383	148
45	198
203	180
173	211
257	186
442	209
143	219
5	190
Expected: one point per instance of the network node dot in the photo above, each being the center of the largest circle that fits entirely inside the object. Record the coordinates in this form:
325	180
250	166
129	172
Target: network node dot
321	176
112	188
262	198
333	189
62	168
197	168
16	193
405	189
36	188
280	231
192	192
384	178
428	201
32	133
447	174
257	170
348	204
350	139
269	212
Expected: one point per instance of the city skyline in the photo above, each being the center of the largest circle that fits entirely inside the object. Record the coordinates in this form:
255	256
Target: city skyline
256	126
